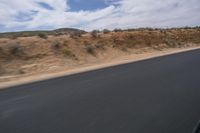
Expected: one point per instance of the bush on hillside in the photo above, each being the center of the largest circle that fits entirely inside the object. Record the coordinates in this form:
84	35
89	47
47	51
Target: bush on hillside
42	35
90	49
100	46
67	52
94	33
15	49
56	45
117	30
106	31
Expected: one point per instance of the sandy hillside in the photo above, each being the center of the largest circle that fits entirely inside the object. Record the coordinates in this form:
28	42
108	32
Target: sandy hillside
43	53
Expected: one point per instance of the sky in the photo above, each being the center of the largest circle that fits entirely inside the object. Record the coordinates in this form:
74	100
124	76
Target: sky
18	15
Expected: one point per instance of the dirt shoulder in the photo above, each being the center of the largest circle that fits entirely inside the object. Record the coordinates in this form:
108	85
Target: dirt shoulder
9	81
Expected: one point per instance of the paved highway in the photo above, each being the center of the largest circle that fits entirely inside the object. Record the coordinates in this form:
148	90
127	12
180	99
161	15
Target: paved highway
160	95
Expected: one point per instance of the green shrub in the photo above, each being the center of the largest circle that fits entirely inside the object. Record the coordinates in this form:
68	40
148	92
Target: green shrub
68	52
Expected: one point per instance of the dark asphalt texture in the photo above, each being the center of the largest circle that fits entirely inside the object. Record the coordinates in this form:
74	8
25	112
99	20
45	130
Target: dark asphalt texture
159	95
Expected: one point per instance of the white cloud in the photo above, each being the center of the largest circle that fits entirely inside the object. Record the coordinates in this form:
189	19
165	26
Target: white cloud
118	14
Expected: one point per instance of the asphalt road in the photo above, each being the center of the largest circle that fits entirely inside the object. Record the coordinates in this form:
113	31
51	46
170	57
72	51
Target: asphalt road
160	95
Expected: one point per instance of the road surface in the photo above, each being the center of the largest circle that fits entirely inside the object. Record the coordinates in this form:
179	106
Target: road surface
160	95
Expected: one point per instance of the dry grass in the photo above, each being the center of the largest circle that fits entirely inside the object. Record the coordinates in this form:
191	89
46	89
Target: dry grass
71	49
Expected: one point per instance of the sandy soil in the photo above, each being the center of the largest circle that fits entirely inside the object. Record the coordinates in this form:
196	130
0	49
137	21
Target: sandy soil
147	53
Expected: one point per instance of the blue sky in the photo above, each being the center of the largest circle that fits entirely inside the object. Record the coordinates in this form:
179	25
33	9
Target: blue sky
90	5
97	14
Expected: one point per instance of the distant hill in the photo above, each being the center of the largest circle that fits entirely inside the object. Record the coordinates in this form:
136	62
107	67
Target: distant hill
46	32
69	30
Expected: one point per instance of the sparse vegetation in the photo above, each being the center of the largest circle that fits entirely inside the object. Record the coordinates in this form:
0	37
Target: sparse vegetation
78	34
100	46
90	49
17	51
75	35
68	52
65	43
94	33
42	35
2	71
106	31
163	31
117	30
59	34
14	37
2	54
124	49
56	45
172	42
86	43
72	36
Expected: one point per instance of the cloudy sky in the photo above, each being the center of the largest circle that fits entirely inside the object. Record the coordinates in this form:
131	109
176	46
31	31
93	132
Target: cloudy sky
18	15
